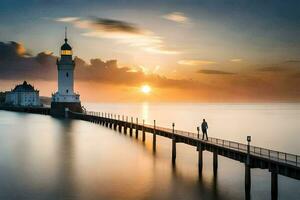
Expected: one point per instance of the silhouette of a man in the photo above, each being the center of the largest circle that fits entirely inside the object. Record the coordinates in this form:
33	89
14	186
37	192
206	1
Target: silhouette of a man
204	127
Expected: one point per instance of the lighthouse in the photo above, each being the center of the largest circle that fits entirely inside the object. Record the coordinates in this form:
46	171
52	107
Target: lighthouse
65	97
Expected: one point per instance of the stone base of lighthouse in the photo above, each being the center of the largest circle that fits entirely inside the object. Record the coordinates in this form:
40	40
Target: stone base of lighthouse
58	108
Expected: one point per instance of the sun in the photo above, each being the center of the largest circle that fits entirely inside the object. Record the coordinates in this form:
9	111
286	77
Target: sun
146	89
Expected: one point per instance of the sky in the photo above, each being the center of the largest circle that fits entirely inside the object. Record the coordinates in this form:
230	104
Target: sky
191	50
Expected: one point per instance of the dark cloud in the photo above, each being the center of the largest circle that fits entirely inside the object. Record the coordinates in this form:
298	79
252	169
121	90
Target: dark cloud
16	63
11	50
287	66
111	25
217	72
292	61
273	69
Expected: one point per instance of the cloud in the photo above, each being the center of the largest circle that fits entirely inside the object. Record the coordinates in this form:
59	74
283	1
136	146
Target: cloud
178	17
17	64
273	69
292	61
156	69
67	19
110	25
216	72
11	50
195	62
282	67
236	60
121	31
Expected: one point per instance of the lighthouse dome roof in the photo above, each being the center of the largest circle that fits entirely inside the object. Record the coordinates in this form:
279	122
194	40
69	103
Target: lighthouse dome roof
66	46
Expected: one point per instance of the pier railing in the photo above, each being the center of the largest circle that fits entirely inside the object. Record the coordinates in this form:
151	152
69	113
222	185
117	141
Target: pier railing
288	158
267	153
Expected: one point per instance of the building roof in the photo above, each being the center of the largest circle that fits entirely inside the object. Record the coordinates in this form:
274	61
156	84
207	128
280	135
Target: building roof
25	87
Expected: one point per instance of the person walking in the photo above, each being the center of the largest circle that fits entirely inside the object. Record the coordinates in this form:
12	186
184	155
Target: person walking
204	127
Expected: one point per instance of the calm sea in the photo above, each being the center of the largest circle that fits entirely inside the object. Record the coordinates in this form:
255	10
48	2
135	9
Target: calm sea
46	158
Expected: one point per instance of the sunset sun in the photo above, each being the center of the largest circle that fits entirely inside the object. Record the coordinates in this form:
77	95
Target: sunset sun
146	89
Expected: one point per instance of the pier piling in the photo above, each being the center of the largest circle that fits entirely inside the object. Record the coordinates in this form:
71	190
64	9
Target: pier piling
248	172
247	181
131	124
144	135
274	186
136	129
125	126
200	158
154	137
215	162
173	146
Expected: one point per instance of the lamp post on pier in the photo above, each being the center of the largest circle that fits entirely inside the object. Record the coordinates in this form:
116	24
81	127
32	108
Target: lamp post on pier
248	171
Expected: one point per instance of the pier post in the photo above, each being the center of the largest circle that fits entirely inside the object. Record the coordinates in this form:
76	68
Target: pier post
130	131
248	172
103	119
114	120
120	127
136	129
154	138
247	182
119	124
110	121
66	113
215	162
144	135
122	124
125	126
106	124
173	145
200	158
274	186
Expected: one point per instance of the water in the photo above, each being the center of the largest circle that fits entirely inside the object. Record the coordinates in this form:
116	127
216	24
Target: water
46	158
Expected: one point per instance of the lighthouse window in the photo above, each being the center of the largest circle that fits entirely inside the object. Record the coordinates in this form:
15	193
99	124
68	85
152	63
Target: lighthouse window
66	52
67	91
67	74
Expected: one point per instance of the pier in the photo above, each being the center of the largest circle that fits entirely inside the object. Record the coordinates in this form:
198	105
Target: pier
33	110
277	163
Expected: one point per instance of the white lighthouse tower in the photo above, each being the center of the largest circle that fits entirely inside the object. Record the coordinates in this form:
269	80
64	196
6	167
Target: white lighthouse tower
65	96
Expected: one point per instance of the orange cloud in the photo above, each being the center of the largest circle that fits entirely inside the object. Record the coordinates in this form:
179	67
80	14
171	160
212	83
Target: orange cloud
196	62
236	60
218	72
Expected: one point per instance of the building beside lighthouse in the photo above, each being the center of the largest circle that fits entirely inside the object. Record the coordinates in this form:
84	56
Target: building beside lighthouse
65	97
23	95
